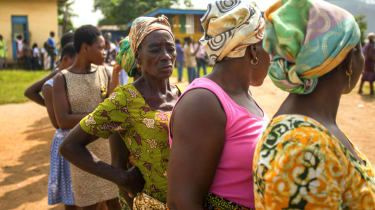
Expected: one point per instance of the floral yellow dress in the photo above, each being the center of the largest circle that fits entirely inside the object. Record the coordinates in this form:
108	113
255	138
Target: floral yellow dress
299	164
144	131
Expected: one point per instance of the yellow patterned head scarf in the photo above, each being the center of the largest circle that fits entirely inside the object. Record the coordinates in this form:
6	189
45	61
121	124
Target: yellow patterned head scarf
143	26
230	26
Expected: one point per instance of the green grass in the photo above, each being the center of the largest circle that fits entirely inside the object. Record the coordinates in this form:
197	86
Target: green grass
14	82
185	75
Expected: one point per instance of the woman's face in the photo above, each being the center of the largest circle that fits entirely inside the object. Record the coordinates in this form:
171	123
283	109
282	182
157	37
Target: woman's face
357	66
259	71
96	52
157	54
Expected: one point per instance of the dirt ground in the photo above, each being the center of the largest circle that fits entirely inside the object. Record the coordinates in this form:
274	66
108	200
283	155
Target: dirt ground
25	137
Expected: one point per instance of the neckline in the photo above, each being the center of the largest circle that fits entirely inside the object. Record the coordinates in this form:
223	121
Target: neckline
145	102
347	151
93	69
236	104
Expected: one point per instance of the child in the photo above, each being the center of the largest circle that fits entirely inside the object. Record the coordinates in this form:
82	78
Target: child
77	91
59	180
35	60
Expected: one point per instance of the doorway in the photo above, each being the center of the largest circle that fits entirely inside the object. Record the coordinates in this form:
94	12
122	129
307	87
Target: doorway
20	26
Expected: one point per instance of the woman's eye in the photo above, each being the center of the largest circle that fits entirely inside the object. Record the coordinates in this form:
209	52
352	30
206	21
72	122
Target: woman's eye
154	50
171	49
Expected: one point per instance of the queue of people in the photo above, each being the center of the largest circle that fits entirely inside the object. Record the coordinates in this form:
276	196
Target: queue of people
148	145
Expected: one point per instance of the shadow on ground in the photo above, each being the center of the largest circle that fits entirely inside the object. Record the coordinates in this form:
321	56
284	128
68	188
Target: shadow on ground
33	164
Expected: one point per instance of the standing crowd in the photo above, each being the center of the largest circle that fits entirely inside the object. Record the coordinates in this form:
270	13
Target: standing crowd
148	145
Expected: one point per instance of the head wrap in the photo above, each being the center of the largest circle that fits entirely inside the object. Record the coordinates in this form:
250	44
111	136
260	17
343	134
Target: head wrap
143	26
307	39
126	59
230	26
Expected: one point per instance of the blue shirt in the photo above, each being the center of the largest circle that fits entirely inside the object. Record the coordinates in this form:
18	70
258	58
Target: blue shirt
180	53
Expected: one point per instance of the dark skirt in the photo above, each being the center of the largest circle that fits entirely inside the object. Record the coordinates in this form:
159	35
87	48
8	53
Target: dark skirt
368	76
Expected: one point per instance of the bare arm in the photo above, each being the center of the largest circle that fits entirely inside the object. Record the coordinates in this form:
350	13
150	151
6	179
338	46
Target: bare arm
198	128
65	119
120	158
33	92
47	93
74	150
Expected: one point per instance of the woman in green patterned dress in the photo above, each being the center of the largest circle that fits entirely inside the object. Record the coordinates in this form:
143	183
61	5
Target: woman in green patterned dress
139	112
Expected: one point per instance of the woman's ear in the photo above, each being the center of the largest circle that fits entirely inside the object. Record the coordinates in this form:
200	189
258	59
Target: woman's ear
253	54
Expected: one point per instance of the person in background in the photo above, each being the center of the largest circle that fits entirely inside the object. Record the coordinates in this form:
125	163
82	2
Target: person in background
110	49
304	160
19	47
59	179
27	54
34	90
35	60
68	37
189	58
201	60
51	49
3	52
369	72
179	60
216	123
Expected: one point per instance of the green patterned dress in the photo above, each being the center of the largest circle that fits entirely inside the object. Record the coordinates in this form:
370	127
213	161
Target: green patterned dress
144	131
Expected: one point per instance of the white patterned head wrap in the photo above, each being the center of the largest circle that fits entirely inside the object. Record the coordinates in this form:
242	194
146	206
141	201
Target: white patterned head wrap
230	26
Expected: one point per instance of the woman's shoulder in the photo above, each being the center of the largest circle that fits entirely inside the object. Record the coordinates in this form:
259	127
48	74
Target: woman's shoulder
127	93
301	131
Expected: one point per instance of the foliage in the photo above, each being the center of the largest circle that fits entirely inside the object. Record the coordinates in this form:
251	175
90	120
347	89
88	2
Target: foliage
121	12
362	23
14	82
65	14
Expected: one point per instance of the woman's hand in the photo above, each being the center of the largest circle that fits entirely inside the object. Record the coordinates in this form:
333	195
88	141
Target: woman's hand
132	181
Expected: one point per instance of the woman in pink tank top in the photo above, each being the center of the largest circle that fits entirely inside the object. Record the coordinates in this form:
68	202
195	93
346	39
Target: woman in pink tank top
216	123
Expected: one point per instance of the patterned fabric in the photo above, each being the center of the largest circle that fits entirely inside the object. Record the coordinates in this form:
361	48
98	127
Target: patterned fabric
125	58
214	202
307	39
144	131
59	179
145	202
143	26
299	164
230	26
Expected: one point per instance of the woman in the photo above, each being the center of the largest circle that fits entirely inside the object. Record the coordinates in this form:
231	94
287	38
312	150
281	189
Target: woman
34	91
139	112
369	72
59	179
217	122
304	160
76	92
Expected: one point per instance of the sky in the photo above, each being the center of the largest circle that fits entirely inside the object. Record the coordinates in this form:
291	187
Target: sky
86	15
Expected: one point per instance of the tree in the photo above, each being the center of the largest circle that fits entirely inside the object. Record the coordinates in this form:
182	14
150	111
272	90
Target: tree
65	14
120	12
362	23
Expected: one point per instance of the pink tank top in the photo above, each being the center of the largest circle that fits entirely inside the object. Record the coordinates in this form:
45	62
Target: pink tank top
233	179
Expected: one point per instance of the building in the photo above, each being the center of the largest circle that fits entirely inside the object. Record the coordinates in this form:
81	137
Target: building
184	22
33	19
